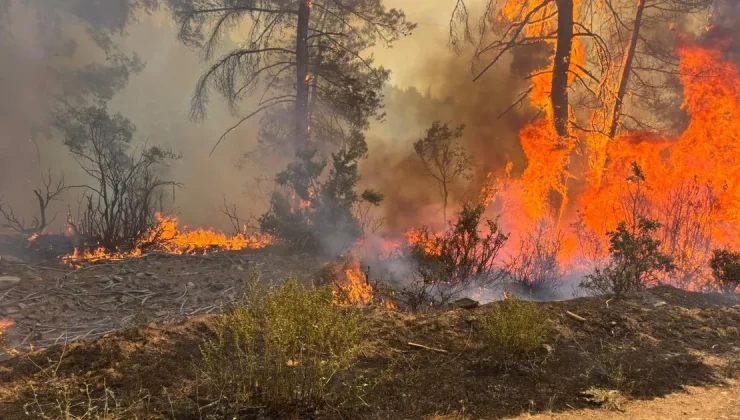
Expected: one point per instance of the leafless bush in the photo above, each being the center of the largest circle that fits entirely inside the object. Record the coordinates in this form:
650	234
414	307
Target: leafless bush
49	191
239	224
119	203
369	222
635	204
632	205
688	218
535	267
591	246
415	296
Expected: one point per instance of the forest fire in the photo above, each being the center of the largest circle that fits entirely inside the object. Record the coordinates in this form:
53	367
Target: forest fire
688	184
166	237
576	189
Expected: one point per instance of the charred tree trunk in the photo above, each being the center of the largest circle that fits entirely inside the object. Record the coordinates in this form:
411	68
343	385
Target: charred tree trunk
559	91
624	76
561	67
302	76
314	94
446	196
42	211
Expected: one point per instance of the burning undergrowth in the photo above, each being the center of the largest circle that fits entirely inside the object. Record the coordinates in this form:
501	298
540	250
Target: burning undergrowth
165	237
562	211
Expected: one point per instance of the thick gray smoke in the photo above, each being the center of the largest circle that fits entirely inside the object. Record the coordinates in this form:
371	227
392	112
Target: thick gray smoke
57	54
490	137
124	52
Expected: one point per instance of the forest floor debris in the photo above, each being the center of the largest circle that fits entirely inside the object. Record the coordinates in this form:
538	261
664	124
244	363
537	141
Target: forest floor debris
96	339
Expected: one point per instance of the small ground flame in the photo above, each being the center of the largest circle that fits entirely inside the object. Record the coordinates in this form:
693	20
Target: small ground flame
351	284
166	237
4	324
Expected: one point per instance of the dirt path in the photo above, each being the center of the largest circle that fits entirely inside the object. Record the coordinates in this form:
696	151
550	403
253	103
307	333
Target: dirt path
696	404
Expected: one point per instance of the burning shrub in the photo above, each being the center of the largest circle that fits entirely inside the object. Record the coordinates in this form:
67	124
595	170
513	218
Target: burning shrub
281	348
118	207
725	265
447	263
320	216
350	283
636	260
535	266
514	328
4	324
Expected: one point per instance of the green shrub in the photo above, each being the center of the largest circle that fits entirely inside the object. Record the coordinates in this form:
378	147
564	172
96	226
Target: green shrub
279	349
725	266
636	260
324	221
514	328
446	263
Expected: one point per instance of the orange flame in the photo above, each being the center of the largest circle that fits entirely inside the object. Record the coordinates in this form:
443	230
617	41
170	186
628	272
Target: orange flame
4	324
428	241
692	182
165	237
352	283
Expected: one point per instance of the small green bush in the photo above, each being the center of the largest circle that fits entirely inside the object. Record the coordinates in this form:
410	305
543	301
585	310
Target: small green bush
514	328
725	265
444	264
280	349
636	260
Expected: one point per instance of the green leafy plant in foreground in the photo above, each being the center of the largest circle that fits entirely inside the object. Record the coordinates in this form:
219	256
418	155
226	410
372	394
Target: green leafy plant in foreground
281	348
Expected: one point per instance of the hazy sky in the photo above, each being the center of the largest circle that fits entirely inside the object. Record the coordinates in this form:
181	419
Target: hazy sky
408	57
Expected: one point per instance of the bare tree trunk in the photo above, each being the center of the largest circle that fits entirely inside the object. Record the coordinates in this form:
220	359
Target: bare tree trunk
561	67
624	76
302	76
445	198
42	210
314	94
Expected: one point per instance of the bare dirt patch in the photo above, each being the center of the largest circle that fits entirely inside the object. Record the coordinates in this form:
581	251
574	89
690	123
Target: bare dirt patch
53	304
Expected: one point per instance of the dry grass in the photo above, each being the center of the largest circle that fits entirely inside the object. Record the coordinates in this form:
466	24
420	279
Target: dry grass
607	398
514	328
71	403
732	368
279	349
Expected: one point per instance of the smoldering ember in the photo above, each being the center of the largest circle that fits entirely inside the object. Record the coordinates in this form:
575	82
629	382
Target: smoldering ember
369	209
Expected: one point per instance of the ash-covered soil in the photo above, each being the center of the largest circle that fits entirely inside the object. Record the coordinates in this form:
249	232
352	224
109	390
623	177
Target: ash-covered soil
53	304
658	345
